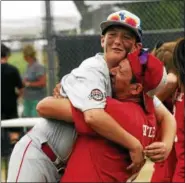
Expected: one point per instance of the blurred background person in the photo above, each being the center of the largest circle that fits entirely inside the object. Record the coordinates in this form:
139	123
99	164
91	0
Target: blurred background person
11	91
34	81
179	110
172	95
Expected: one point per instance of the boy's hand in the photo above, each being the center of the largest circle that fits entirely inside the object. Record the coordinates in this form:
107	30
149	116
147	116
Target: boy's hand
137	157
56	91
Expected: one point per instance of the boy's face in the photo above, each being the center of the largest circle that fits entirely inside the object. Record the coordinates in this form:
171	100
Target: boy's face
117	43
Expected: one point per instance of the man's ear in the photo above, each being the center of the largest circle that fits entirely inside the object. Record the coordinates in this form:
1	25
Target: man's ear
136	46
102	41
136	88
113	71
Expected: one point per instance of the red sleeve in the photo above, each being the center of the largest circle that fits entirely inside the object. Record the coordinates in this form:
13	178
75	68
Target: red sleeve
80	124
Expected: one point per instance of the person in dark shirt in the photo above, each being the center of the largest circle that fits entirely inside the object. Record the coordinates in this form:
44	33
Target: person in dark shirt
11	90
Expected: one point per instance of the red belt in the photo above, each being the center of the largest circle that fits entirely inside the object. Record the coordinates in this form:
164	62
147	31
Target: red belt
59	164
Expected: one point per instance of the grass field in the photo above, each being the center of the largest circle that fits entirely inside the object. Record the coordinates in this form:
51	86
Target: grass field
144	176
3	169
18	61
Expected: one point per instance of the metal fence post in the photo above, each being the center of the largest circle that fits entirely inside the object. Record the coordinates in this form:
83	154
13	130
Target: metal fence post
49	47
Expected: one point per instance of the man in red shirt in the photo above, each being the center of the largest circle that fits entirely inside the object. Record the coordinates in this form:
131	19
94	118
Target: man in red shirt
96	159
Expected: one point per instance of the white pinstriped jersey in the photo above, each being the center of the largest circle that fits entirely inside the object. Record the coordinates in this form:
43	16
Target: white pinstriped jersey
88	85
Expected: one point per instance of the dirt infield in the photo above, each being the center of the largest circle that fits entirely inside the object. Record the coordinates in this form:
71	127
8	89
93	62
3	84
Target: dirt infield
3	172
144	176
146	172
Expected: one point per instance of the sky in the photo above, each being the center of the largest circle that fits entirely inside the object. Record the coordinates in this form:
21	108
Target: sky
101	2
28	9
26	17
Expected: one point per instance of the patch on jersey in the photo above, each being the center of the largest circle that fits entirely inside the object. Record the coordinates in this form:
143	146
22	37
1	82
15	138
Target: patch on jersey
97	95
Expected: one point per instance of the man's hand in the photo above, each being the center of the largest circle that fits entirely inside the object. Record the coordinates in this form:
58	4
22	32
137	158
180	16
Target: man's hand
56	91
137	157
157	151
27	84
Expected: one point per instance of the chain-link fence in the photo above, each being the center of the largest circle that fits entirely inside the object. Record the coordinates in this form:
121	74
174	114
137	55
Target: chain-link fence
74	49
161	21
155	15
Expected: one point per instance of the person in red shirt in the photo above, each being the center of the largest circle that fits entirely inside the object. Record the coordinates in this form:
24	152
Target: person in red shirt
179	112
108	162
102	160
171	53
179	173
96	159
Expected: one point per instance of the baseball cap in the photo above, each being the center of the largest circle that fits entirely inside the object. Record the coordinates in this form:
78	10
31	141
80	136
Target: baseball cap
150	72
123	18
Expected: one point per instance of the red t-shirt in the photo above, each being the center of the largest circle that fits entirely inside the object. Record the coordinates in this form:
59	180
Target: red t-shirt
179	112
173	168
95	159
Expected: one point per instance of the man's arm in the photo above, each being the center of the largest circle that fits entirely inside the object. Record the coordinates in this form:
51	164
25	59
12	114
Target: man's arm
169	87
41	82
168	125
19	88
40	78
158	151
19	92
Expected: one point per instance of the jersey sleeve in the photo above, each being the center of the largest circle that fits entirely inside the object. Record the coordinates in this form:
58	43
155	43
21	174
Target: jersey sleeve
85	88
80	124
156	102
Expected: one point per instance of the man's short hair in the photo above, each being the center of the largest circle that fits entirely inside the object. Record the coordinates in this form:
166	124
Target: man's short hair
5	51
133	79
